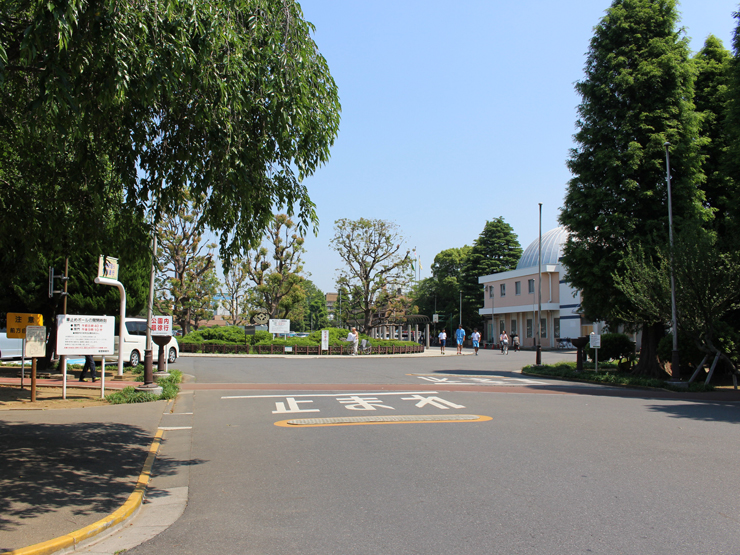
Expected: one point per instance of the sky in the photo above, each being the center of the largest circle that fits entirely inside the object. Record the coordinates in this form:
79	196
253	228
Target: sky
456	113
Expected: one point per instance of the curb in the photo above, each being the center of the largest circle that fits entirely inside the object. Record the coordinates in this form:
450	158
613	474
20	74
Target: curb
70	542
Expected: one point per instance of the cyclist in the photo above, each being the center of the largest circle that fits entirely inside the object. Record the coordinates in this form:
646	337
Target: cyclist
504	342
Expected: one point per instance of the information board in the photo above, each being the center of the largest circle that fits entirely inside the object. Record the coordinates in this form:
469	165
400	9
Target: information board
279	326
324	340
594	341
161	325
85	335
35	342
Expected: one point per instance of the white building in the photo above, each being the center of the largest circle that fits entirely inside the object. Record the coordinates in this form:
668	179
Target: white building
511	298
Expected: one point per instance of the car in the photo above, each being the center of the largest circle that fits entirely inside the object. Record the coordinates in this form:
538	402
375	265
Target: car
134	344
9	347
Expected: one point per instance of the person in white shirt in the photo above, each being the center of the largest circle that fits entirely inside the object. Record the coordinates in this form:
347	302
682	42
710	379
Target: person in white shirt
443	340
354	338
476	340
504	342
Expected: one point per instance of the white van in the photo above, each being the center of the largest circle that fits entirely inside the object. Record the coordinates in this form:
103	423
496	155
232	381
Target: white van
134	344
10	348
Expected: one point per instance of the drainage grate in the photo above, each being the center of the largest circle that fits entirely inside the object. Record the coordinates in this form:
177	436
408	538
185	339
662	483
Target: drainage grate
399	418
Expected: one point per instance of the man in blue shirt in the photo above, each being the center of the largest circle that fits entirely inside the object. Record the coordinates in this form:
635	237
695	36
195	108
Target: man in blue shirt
460	336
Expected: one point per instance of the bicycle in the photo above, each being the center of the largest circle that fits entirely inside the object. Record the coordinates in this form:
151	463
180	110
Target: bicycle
505	348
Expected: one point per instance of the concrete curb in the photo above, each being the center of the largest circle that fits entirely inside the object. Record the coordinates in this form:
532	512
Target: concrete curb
70	542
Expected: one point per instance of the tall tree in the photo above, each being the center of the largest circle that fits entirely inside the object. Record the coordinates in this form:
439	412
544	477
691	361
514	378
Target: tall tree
440	293
235	294
146	102
721	193
185	280
636	96
315	315
276	269
374	264
496	249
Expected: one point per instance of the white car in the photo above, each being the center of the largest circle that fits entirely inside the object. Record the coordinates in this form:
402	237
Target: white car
10	348
134	344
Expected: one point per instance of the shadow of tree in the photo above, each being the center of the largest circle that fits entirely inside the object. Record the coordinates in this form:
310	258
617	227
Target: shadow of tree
81	468
707	412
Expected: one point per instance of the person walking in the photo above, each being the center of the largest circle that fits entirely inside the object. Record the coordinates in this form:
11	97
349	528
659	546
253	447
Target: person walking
443	340
515	341
354	338
460	337
476	340
89	364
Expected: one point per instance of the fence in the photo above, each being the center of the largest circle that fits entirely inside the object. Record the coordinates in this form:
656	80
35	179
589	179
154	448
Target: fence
296	350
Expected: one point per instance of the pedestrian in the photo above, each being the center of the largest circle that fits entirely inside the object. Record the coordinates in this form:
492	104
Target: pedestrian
443	340
89	363
504	342
354	338
476	340
515	339
460	337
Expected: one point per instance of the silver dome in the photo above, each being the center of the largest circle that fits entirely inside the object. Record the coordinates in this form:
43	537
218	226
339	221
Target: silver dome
552	249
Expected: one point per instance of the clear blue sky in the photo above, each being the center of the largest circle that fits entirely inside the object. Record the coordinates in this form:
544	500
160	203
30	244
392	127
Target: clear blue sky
455	113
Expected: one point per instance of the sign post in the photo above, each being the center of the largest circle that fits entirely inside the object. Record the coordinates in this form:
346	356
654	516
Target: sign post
34	347
161	335
84	335
324	340
108	267
595	344
278	326
17	324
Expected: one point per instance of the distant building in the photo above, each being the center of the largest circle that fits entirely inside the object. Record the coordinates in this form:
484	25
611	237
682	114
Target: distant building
331	300
511	298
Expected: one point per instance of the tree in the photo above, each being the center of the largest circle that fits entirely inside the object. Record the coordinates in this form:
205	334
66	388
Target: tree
277	284
496	249
440	293
711	98
235	294
374	266
146	103
636	96
186	282
315	315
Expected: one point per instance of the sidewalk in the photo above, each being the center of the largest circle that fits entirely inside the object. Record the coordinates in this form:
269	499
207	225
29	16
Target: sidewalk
63	470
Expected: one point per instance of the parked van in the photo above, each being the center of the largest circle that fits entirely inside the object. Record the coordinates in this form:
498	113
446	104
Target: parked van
10	348
134	344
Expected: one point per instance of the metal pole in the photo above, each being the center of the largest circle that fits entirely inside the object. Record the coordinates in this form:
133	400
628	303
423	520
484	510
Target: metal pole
675	362
539	296
461	307
148	374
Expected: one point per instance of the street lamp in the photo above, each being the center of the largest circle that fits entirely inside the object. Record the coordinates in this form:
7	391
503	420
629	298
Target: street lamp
538	358
675	362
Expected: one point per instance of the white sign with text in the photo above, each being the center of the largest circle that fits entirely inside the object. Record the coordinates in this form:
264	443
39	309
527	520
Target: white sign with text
279	326
85	335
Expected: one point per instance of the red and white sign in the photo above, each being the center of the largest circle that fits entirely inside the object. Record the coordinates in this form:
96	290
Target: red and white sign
161	325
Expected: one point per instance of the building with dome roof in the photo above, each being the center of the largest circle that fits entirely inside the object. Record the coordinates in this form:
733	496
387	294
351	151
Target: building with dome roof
511	298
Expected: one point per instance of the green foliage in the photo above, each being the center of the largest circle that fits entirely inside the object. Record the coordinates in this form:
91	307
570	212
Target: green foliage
614	346
496	249
375	270
130	395
441	292
226	334
636	95
689	355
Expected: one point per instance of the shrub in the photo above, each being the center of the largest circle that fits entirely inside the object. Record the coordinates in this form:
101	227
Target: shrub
688	353
614	346
130	395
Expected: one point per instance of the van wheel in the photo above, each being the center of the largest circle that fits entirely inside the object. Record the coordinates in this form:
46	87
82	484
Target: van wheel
172	356
135	358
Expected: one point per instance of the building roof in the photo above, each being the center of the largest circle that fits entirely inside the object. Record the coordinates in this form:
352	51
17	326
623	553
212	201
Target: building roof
552	249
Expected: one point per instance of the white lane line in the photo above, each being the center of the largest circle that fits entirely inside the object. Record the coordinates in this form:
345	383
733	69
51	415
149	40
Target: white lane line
176	413
363	394
169	428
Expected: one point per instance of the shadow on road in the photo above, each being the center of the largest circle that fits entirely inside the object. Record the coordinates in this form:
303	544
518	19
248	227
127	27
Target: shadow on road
708	412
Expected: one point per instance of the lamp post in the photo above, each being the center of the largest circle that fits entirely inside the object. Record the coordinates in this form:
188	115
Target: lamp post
675	362
538	358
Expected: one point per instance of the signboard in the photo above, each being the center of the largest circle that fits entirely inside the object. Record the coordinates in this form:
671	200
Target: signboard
435	318
324	340
18	321
35	342
85	335
594	341
107	267
279	326
161	325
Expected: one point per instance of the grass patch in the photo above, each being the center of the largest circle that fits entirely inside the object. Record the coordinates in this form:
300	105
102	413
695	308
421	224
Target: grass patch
607	375
170	388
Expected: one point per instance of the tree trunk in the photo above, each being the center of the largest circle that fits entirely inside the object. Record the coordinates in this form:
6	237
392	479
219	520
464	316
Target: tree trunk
649	364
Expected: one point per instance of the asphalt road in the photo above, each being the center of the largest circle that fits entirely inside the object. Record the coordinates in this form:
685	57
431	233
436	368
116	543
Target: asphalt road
552	470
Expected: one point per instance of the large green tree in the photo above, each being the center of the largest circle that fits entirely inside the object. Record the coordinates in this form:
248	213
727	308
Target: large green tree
133	104
376	267
636	95
496	249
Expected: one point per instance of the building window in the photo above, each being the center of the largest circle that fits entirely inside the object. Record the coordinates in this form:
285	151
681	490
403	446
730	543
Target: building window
518	288
556	327
531	285
503	289
490	291
529	327
513	326
501	327
544	327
